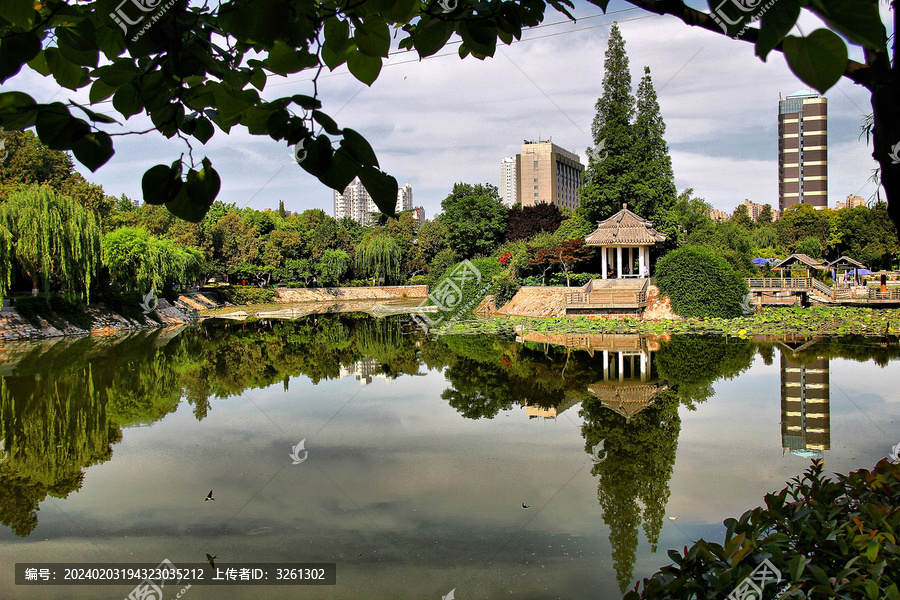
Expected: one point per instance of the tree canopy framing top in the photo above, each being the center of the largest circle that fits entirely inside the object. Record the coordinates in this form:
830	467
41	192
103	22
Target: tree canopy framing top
193	69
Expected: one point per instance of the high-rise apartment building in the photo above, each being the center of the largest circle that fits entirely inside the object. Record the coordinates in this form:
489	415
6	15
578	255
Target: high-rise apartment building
508	181
356	203
803	150
547	173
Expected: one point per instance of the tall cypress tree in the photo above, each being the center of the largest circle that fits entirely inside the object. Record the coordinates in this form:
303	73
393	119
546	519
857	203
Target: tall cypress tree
610	172
656	192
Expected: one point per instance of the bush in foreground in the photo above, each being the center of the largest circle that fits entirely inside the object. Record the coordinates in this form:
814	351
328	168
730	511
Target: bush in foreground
827	539
700	283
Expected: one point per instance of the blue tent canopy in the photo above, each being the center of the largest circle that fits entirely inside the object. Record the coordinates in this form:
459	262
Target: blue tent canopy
761	261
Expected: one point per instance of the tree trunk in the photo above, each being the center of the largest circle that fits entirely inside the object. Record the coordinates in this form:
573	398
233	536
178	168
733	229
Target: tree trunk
886	140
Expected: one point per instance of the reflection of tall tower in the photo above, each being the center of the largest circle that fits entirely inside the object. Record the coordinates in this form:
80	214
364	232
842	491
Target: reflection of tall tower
805	409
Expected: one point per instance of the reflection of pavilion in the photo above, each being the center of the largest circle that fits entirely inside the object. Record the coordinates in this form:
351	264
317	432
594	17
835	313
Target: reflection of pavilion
805	404
365	370
630	382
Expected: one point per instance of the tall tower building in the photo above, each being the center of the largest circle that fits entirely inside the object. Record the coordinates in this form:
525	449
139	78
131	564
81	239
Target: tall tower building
508	181
803	150
547	173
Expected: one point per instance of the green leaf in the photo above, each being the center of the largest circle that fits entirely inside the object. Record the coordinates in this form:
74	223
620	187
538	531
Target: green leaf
58	129
66	73
381	187
284	60
327	123
360	149
373	38
202	188
796	566
18	12
818	59
776	23
95	116
77	43
119	73
365	68
258	78
17	110
340	172
94	149
100	91
16	50
161	183
430	35
128	101
860	21
479	38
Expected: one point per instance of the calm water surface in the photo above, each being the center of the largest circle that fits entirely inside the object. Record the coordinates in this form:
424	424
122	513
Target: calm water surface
421	453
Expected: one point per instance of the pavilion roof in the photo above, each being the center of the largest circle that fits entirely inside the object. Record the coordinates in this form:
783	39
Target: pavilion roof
624	229
800	258
845	261
627	400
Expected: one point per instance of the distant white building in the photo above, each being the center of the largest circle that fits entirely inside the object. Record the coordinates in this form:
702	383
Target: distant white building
357	204
405	198
508	181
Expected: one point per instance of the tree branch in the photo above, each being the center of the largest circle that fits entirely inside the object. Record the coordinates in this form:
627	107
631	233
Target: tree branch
858	73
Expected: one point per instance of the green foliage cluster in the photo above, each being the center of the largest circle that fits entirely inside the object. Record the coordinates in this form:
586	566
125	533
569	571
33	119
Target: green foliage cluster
479	280
700	283
138	261
827	538
248	294
559	279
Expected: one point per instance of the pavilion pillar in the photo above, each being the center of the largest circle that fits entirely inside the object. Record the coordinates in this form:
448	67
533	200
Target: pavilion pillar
643	357
605	365
621	365
603	268
641	259
619	262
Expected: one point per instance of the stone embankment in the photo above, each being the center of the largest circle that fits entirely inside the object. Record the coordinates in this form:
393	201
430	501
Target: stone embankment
14	327
385	292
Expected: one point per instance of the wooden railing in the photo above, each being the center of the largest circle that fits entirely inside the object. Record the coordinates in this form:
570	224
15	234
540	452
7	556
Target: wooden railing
608	298
823	289
892	293
785	283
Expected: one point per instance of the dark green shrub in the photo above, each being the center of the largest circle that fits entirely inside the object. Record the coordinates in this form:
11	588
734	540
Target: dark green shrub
503	290
443	260
418	280
576	279
827	539
700	283
56	310
248	294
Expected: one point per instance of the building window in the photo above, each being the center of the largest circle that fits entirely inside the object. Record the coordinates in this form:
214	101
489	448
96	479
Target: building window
535	164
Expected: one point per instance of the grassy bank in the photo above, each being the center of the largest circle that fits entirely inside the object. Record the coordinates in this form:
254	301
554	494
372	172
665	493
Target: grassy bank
770	321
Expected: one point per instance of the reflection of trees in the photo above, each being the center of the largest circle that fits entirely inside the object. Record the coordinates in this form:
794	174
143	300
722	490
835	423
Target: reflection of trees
634	477
488	374
691	364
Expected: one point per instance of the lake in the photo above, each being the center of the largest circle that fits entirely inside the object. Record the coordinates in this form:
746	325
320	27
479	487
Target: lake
545	467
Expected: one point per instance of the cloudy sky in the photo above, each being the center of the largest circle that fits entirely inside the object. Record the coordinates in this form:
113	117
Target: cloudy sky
445	120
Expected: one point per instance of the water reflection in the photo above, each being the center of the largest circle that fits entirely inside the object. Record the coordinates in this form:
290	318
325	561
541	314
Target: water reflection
64	405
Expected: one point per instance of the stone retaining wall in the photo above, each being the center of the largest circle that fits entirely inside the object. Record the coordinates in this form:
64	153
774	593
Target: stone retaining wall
385	292
14	327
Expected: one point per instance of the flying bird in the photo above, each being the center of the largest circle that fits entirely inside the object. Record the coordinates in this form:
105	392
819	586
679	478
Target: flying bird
211	559
526	505
209	496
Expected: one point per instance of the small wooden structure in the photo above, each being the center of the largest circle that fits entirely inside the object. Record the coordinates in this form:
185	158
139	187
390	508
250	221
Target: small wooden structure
843	266
799	262
625	240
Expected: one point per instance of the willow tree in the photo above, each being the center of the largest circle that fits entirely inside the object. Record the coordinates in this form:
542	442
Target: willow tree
379	256
139	261
52	237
